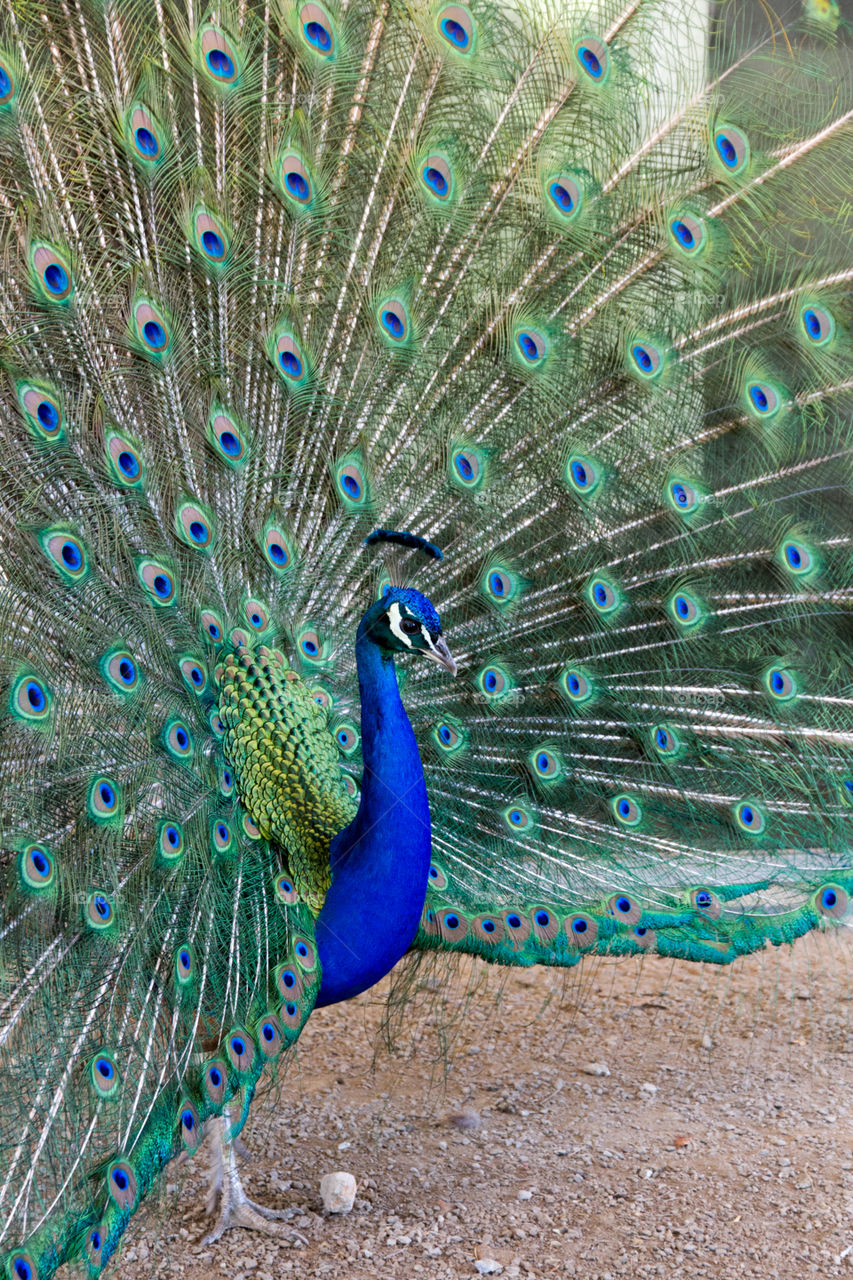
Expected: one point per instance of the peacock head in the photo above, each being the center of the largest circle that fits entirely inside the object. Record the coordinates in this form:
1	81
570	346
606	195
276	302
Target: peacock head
404	621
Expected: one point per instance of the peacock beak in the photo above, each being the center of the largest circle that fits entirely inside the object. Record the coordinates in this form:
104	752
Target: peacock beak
441	654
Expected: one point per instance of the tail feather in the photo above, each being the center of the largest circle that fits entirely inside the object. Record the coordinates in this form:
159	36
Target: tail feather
568	299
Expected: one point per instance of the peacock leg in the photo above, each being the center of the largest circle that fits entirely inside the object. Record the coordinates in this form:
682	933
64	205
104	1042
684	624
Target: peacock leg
228	1201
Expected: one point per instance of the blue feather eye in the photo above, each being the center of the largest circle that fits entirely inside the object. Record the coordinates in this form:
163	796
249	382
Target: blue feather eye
125	459
194	674
818	325
706	902
516	818
581	930
99	912
665	740
170	841
144	136
66	552
296	183
688	233
627	810
682	496
351	483
686	610
306	956
177	740
190	1126
257	615
317	30
565	196
603	595
624	908
104	1075
647	359
21	1265
347	738
241	1051
832	901
731	148
593	58
276	548
289	357
798	558
781	684
221	837
212	626
447	736
456	27
215	1082
394	320
546	764
311	645
209	237
120	671
151	329
466	464
750	817
42	410
762	399
437	177
501	585
577	685
531	345
104	800
285	890
219	57
270	1036
583	475
226	436
493	681
7	94
36	867
195	526
30	699
52	274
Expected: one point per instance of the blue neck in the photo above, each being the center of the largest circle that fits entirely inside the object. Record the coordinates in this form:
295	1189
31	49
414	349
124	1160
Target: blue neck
381	860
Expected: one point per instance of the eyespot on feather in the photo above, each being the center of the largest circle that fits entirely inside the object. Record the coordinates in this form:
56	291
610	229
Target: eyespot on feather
452	925
456	28
318	31
581	930
51	273
170	840
706	903
623	908
306	954
546	925
593	58
219	58
36	867
240	1048
42	409
227	437
517	927
832	901
270	1036
190	1126
30	699
215	1081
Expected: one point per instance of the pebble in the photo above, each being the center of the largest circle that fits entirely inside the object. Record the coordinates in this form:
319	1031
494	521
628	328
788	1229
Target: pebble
649	1088
488	1267
525	1195
596	1069
467	1118
338	1192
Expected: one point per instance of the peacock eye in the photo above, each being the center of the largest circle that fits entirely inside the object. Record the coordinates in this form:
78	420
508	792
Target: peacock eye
409	627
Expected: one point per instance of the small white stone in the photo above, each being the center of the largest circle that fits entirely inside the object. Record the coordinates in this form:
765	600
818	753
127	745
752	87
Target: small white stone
338	1192
525	1195
488	1267
596	1069
649	1088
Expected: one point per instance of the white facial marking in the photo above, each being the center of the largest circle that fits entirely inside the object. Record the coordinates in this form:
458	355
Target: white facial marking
394	617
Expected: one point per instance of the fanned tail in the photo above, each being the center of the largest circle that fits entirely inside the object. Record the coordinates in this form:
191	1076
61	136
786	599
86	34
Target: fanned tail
570	301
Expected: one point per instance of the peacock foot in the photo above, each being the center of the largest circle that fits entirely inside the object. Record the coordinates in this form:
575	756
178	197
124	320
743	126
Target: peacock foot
228	1202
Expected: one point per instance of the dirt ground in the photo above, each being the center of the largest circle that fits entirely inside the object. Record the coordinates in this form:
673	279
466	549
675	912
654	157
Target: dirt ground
632	1119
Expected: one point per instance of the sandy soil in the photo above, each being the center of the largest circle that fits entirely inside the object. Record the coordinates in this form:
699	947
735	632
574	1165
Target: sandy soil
716	1141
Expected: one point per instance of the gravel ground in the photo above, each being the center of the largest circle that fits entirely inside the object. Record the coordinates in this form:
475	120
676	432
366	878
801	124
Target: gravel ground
633	1119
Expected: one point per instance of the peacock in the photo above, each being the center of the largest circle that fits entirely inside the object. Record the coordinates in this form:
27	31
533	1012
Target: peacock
339	337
